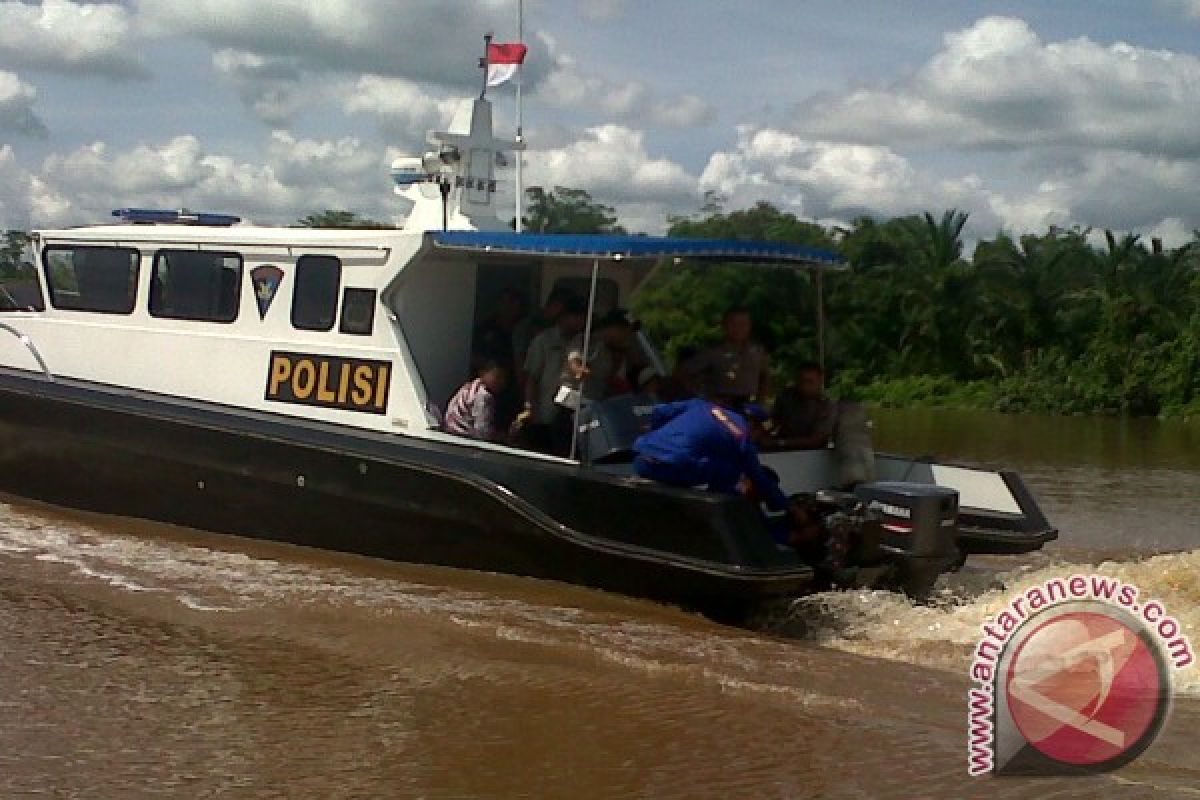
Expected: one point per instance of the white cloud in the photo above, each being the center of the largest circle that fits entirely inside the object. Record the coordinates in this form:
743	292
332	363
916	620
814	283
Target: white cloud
997	85
68	37
16	106
611	162
1131	191
820	179
823	180
1190	8
405	110
1083	132
423	40
603	10
282	57
297	176
569	86
319	163
275	90
1173	232
14	192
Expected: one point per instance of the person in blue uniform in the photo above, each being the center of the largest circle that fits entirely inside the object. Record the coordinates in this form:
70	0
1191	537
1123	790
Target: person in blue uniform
704	442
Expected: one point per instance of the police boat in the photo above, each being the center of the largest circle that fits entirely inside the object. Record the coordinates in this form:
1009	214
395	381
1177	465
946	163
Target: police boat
283	383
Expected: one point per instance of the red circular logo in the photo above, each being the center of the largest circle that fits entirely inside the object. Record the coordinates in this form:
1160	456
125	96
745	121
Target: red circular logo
1086	688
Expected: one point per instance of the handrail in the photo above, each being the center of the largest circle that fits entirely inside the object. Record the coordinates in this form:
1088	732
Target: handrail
29	345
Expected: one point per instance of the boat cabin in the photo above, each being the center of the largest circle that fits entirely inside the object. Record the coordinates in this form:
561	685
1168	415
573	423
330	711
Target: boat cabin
370	329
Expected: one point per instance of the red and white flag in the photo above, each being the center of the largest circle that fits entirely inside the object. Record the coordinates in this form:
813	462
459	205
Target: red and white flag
503	60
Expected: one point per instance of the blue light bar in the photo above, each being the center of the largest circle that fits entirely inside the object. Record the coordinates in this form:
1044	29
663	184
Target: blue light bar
152	216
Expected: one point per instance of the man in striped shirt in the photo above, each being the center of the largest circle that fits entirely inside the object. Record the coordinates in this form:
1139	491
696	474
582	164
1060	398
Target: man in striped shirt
472	410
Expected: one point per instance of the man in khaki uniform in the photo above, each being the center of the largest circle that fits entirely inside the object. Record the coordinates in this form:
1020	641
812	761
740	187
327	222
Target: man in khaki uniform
804	417
737	368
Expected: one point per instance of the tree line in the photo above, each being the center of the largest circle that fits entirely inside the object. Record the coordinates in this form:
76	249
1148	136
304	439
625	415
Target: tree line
1050	322
1066	321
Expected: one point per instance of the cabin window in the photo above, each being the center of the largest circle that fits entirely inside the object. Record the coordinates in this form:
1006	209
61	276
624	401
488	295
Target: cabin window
315	298
196	285
19	286
358	312
99	279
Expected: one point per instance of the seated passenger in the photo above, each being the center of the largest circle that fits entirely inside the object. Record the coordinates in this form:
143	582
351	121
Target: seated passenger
804	416
493	340
700	442
472	410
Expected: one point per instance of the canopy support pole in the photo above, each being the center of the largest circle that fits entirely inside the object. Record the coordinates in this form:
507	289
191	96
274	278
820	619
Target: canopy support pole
587	343
820	317
520	118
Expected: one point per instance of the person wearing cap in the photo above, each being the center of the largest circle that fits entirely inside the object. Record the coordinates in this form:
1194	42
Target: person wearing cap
704	443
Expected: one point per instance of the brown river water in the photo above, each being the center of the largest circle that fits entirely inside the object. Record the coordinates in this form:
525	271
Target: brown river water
138	660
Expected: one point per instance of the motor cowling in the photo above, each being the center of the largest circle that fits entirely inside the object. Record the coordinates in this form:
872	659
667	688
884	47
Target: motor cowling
918	529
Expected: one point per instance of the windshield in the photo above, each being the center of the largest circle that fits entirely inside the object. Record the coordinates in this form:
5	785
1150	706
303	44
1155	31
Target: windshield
19	287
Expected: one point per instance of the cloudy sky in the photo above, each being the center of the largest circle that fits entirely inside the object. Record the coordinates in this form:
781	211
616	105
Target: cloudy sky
1023	113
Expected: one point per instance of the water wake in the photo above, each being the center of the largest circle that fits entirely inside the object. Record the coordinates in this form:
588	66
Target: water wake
939	634
942	632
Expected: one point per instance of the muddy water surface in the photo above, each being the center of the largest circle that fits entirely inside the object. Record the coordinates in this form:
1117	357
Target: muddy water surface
138	660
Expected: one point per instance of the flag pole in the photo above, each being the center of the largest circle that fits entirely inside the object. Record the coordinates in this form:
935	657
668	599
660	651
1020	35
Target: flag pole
483	62
520	132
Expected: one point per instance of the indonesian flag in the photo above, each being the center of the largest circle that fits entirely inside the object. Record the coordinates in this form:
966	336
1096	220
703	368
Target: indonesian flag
503	60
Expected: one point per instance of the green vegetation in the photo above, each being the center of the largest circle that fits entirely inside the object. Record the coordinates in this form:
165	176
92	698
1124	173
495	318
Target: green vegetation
563	210
1040	323
341	219
11	247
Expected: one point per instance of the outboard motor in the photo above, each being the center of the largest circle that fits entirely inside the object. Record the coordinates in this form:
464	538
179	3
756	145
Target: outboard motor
918	530
608	429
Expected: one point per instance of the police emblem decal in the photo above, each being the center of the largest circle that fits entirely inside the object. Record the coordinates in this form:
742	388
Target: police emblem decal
266	280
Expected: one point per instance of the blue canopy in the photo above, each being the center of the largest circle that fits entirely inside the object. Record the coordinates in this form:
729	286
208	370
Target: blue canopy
644	248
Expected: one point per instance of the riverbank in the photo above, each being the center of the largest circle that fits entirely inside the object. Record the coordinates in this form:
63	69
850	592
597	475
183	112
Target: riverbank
1050	393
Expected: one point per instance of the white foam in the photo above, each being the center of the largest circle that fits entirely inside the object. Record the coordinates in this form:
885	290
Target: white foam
943	632
199	605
